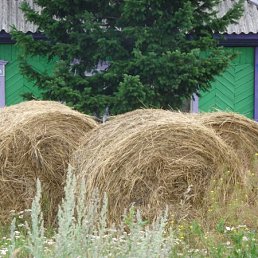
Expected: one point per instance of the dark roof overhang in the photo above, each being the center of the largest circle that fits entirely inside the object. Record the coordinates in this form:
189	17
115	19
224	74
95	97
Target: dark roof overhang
6	38
238	40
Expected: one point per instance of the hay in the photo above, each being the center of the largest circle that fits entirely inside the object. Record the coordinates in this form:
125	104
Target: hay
153	158
236	130
36	140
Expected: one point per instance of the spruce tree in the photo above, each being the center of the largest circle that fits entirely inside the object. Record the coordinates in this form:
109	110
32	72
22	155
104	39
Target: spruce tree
126	54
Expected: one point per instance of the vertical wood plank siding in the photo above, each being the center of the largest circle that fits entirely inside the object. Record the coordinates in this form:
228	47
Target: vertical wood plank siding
256	84
15	83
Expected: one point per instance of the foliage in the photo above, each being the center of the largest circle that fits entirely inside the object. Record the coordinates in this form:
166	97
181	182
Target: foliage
88	234
152	49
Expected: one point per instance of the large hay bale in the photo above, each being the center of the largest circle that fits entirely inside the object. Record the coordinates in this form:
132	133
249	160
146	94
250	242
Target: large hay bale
153	158
236	130
36	141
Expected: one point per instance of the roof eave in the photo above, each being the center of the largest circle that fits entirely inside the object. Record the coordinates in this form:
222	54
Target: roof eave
6	38
238	40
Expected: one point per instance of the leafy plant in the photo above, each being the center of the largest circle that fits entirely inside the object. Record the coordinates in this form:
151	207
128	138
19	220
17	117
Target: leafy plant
83	230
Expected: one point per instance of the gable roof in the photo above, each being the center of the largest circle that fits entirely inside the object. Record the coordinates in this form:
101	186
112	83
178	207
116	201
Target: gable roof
10	14
248	23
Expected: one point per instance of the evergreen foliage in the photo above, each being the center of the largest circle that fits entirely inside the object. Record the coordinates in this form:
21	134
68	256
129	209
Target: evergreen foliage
153	50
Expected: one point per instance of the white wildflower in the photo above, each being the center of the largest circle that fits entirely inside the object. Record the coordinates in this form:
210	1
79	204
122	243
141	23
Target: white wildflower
50	241
3	251
245	238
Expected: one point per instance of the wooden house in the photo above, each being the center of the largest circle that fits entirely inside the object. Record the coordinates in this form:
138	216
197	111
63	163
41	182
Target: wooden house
12	83
234	90
237	88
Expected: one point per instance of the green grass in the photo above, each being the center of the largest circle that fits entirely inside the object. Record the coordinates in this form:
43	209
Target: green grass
88	234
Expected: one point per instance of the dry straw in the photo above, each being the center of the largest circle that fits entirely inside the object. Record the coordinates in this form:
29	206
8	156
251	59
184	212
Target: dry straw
153	158
36	140
236	130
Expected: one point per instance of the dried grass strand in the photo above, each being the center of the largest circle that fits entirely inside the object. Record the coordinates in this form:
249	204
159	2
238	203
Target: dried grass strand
153	158
36	141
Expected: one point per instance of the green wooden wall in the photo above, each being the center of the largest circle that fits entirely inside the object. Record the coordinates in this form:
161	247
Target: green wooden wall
233	90
15	83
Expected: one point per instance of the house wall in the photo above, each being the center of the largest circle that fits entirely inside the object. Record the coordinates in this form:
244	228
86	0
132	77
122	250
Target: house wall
233	90
15	83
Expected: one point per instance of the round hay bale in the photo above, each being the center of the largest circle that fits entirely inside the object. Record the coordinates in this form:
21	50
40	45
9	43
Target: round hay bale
153	158
236	130
36	141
